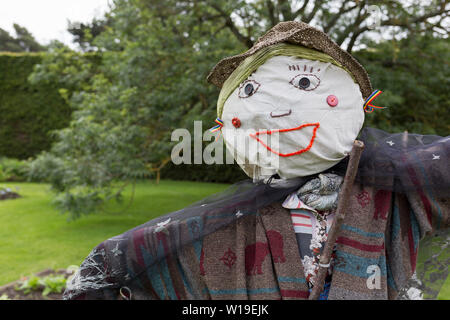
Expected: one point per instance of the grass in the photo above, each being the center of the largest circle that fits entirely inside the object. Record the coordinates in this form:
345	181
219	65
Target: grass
34	236
444	294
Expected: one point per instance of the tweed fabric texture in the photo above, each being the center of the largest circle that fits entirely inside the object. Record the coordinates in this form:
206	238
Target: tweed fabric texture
298	33
254	254
257	257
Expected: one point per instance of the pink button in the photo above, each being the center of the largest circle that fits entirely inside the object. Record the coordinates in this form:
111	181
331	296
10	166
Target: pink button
332	100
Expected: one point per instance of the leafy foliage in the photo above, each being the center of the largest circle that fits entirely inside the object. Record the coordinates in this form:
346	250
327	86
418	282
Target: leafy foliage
414	75
149	74
13	170
22	42
85	33
223	173
147	86
48	284
27	111
346	21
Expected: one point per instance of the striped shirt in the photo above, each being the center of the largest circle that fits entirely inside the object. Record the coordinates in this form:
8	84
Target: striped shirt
304	221
302	216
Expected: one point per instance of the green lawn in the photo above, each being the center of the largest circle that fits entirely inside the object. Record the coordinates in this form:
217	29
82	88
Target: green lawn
444	294
34	236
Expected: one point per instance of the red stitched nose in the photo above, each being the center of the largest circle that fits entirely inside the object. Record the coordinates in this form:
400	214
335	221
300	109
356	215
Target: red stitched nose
236	122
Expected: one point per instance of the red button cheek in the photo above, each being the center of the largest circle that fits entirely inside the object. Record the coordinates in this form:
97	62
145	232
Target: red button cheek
236	122
332	100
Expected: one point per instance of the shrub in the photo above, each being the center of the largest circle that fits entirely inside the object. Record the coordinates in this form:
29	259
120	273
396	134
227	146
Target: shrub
28	112
13	170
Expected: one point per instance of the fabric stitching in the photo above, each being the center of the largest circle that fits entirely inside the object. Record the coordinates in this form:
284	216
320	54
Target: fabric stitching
305	74
243	85
311	142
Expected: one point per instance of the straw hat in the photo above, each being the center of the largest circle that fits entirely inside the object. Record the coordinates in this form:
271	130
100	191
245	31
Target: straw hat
298	33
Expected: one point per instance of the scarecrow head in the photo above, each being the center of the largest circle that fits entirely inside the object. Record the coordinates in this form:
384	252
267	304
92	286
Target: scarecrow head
293	104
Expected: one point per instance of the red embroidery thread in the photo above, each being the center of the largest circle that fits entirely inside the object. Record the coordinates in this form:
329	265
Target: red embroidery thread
254	257
228	258
276	245
256	253
311	142
363	198
382	202
202	262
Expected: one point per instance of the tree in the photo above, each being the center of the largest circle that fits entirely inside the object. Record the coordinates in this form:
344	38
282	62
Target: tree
153	58
414	74
23	42
147	85
85	33
8	43
344	20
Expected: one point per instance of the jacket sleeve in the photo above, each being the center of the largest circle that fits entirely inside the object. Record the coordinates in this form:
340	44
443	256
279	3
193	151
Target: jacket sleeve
142	264
432	212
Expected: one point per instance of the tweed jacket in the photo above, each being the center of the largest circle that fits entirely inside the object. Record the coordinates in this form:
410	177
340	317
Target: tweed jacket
257	256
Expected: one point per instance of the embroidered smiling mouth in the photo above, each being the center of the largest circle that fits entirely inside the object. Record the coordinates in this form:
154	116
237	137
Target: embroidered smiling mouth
269	132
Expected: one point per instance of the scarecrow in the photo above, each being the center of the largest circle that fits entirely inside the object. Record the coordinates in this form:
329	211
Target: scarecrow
289	110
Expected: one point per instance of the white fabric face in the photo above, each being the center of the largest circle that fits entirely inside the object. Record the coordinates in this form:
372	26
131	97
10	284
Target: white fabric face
270	128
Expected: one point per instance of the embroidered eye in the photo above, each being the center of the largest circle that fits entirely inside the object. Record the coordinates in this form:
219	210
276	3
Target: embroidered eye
304	83
307	82
248	88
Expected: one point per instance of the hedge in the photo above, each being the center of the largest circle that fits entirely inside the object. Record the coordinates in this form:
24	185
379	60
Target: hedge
222	173
27	112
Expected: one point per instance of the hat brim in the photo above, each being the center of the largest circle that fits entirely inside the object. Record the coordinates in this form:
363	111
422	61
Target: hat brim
297	33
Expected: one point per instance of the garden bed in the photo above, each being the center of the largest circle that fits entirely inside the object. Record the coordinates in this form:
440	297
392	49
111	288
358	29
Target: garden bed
5	195
10	292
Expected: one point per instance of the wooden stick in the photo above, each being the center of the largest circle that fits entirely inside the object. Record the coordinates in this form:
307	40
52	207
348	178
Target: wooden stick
342	207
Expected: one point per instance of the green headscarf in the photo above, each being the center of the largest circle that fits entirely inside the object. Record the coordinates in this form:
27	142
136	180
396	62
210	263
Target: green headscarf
251	63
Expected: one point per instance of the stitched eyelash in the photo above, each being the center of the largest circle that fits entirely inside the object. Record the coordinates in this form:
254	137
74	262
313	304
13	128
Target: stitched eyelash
297	67
308	75
244	84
